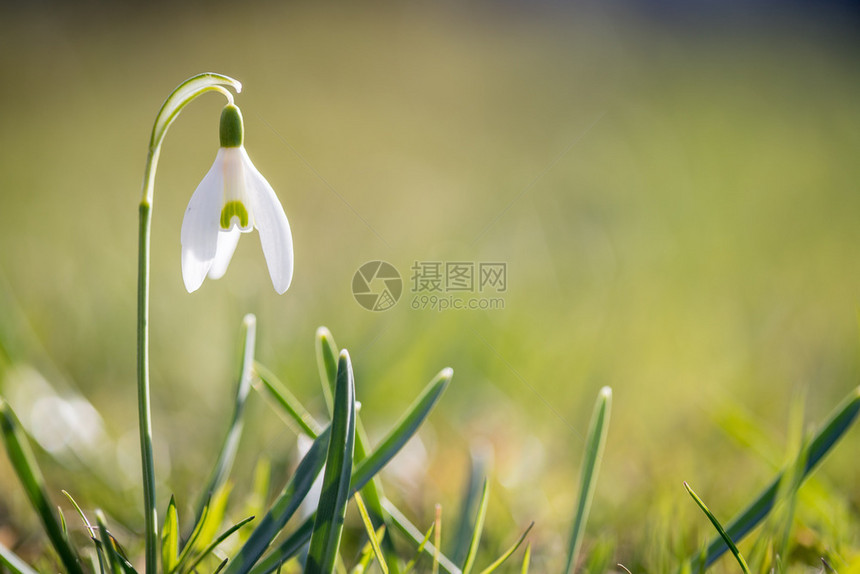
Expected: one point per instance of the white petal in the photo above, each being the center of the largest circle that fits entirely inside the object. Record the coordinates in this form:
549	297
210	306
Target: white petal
227	241
199	235
271	222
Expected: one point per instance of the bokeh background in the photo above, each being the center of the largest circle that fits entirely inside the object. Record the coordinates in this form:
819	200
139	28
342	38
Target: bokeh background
673	188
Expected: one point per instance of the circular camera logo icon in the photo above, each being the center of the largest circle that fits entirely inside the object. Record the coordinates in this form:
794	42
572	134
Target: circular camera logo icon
377	286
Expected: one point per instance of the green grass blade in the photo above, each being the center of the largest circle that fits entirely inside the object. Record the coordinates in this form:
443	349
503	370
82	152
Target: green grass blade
230	446
13	563
479	528
437	539
285	550
99	559
722	532
284	507
527	558
367	553
328	525
411	564
594	444
213	519
326	353
192	541
63	522
113	559
829	434
296	413
25	467
170	538
405	428
481	460
507	554
215	543
371	534
83	516
116	557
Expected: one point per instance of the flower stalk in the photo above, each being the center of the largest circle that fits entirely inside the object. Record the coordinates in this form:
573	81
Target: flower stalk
184	94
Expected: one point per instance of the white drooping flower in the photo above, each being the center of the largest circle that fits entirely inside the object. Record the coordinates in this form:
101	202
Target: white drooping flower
232	199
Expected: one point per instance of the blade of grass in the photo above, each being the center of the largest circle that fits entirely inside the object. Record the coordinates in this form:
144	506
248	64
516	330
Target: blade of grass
840	420
283	508
118	557
285	550
214	517
437	540
98	560
594	444
278	393
326	352
215	543
230	446
328	525
367	554
83	516
507	554
107	544
526	559
170	538
481	457
25	467
411	564
368	526
722	532
479	528
13	562
188	549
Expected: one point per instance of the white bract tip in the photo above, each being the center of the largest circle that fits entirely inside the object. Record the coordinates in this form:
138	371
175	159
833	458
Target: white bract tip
232	199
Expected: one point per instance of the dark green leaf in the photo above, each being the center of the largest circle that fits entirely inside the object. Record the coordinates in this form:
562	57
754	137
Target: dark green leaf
328	525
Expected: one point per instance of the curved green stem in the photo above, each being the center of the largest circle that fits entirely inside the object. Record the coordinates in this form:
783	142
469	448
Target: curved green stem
181	96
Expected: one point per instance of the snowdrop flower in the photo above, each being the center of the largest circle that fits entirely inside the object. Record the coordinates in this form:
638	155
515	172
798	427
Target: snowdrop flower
232	199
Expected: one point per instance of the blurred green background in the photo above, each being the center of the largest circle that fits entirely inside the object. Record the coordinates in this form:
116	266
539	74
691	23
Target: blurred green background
674	192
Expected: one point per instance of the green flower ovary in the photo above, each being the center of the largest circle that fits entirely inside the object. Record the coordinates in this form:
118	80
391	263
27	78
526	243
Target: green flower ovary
232	128
233	209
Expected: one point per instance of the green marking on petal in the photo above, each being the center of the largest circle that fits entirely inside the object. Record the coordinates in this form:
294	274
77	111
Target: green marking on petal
234	209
